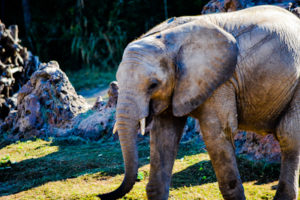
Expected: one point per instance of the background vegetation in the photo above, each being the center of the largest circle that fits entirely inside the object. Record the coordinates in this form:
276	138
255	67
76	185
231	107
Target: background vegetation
88	35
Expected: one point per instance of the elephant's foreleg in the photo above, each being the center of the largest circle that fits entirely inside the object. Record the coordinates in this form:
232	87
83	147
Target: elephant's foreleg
164	139
288	134
223	160
218	123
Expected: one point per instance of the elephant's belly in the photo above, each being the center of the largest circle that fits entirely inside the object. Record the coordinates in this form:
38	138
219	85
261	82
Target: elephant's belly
263	96
260	112
266	76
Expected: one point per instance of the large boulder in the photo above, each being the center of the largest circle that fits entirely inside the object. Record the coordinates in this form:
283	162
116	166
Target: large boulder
47	101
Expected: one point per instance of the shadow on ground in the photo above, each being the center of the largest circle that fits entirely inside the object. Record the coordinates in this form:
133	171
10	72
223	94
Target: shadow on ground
105	160
70	161
203	173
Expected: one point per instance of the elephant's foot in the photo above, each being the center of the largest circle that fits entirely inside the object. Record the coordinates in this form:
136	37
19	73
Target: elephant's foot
155	192
233	190
283	193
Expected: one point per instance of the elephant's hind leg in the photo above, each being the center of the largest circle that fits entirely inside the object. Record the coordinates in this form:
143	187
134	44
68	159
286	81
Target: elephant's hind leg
164	139
288	134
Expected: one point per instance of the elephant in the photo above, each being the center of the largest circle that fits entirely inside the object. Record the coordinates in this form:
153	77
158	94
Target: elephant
230	71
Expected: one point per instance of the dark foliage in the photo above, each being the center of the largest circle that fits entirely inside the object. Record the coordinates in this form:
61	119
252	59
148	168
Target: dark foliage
89	34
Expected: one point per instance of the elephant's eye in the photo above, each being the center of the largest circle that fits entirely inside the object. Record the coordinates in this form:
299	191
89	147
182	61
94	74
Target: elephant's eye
153	85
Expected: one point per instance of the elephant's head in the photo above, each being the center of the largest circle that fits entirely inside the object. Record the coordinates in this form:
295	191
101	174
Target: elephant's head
178	67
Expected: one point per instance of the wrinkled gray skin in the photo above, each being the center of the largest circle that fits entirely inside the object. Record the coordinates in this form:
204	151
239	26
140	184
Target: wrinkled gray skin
230	71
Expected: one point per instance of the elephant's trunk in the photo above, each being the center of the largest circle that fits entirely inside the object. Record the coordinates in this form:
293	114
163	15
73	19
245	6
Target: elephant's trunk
127	123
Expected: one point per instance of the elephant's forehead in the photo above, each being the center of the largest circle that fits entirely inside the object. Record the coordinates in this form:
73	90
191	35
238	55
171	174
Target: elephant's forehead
149	44
132	71
139	73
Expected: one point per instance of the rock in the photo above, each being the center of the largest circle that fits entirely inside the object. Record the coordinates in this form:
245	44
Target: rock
98	122
45	102
191	130
215	6
257	147
112	98
296	11
99	104
113	94
94	125
48	105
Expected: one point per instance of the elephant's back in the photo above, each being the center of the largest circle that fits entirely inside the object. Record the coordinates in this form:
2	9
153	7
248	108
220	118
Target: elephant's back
268	66
267	15
263	31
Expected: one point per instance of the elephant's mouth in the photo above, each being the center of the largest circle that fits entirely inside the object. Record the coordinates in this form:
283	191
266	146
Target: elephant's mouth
149	121
149	118
146	123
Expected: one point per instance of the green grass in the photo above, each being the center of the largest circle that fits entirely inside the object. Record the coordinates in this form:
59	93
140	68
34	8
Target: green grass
96	78
81	170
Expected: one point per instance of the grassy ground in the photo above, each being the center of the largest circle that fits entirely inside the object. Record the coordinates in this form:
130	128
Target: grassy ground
78	170
96	78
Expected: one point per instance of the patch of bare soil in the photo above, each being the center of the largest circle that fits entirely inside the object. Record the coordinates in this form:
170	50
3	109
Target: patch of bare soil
92	94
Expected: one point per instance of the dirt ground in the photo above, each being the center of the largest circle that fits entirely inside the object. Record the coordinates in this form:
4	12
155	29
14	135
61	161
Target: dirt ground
92	94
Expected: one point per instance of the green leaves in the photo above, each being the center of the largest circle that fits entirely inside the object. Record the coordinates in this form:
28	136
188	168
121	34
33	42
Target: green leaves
5	162
140	176
5	158
98	43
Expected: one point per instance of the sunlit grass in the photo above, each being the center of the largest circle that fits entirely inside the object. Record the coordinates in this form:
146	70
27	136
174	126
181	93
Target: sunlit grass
67	170
27	150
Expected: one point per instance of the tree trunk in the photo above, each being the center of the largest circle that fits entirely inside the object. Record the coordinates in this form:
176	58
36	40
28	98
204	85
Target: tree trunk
27	15
166	9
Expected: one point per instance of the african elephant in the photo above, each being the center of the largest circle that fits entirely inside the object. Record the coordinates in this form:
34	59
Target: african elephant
231	71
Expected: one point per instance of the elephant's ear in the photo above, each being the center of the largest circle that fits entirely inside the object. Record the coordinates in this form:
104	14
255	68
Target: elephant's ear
206	57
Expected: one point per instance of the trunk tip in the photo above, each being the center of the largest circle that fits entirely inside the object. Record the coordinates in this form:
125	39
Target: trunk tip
124	188
109	196
105	197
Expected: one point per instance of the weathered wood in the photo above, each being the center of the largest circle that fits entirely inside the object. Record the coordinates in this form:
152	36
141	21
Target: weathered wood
16	66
